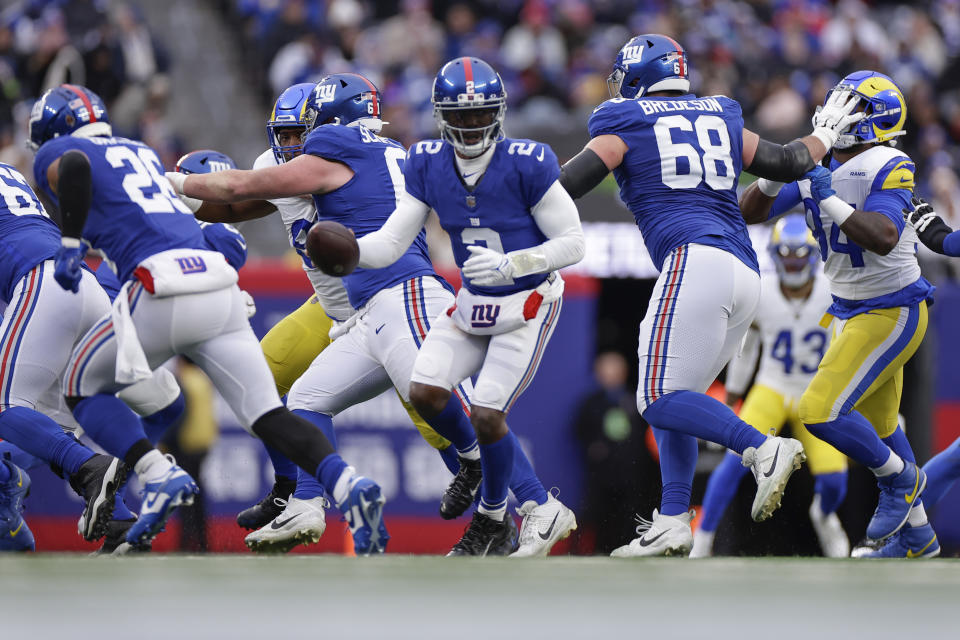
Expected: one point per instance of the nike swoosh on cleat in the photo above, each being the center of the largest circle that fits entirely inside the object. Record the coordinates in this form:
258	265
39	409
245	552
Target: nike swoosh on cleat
545	535
646	543
277	525
773	464
910	497
14	532
916	554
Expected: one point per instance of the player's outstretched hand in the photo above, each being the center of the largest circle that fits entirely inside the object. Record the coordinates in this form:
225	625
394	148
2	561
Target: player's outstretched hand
177	179
835	116
930	228
487	268
821	183
67	263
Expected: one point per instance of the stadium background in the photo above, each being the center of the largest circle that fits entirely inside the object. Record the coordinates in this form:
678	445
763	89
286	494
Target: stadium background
188	74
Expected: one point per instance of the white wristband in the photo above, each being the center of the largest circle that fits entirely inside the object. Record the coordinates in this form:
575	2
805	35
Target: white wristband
176	179
836	209
827	136
70	243
769	188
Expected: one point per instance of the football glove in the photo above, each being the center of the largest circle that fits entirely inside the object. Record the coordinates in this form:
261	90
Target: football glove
930	228
820	183
488	268
835	117
67	263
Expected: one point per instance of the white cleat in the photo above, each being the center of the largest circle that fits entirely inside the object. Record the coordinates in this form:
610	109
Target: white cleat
830	533
772	464
702	544
543	526
662	536
300	522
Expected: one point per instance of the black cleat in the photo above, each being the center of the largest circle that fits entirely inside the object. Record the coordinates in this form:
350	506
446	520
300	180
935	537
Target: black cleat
115	541
97	482
485	537
267	509
513	535
464	486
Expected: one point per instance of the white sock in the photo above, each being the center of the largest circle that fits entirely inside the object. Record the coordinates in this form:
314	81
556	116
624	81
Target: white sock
470	453
918	516
894	464
494	514
152	466
342	488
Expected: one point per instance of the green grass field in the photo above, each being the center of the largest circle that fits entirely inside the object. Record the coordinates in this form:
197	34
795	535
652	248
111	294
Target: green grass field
235	596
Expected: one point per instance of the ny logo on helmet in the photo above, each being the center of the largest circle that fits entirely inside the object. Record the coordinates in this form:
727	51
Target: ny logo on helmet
216	165
326	92
632	54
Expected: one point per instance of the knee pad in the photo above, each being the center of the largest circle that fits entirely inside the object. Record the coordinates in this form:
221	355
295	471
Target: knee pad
153	394
813	410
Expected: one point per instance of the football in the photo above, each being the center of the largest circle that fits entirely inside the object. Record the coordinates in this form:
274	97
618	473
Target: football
332	248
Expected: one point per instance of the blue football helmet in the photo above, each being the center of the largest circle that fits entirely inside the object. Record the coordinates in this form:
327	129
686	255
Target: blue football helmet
650	62
794	250
884	106
343	98
469	104
66	110
288	113
204	161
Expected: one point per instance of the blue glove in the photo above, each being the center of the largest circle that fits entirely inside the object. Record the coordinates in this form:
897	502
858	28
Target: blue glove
820	183
67	263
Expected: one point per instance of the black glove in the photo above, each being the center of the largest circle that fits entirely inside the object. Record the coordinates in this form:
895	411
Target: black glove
930	228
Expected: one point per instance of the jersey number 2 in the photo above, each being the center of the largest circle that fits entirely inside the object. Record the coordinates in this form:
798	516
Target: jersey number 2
705	164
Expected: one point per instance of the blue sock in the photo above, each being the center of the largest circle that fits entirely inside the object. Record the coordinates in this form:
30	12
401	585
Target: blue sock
853	435
283	467
943	470
900	445
678	460
40	436
307	486
156	424
450	458
721	487
121	511
329	471
110	423
322	421
19	457
454	424
699	415
832	488
524	482
496	459
5	473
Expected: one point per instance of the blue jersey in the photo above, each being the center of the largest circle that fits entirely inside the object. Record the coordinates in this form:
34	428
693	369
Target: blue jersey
495	212
366	201
135	212
27	235
679	175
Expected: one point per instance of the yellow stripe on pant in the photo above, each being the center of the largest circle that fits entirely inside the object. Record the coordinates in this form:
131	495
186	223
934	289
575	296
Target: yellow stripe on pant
768	410
863	367
294	342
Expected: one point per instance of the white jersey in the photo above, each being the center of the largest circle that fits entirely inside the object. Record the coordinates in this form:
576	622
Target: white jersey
855	273
298	215
791	336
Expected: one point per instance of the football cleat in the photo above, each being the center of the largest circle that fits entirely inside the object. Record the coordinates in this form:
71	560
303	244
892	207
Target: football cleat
908	542
702	544
833	539
300	522
543	526
484	536
898	494
464	486
262	513
115	540
15	535
772	464
363	511
160	498
97	482
662	536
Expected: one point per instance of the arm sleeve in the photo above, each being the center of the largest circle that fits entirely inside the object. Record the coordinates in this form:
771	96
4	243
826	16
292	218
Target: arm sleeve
951	244
384	246
75	192
891	203
582	173
741	367
781	162
557	217
787	199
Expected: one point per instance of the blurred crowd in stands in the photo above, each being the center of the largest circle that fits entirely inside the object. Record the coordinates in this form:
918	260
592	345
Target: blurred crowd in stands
777	57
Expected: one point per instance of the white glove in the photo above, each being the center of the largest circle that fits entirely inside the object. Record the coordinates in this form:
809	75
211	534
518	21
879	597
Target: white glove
177	179
487	268
835	117
250	303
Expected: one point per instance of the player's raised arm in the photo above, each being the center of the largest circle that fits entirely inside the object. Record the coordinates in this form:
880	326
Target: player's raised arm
384	246
584	171
557	217
873	230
